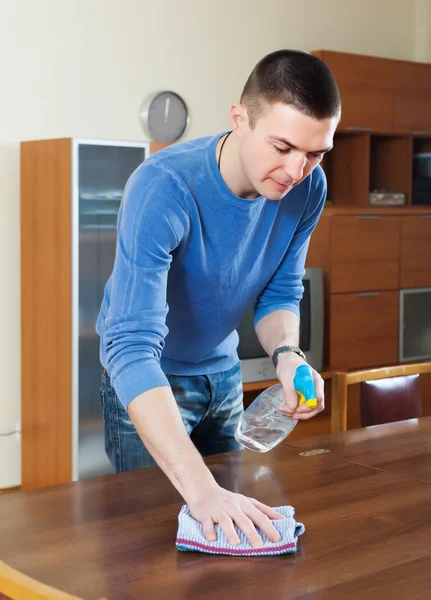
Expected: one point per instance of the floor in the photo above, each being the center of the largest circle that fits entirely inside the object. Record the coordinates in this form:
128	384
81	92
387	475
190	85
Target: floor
10	490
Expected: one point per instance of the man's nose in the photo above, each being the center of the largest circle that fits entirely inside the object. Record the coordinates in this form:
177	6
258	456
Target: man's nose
295	165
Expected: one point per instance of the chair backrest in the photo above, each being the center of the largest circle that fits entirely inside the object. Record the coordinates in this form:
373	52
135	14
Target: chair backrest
390	399
341	381
16	586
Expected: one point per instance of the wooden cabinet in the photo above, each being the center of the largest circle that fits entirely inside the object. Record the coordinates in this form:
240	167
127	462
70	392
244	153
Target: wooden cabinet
385	108
412	96
365	252
415	264
366	88
364	329
63	181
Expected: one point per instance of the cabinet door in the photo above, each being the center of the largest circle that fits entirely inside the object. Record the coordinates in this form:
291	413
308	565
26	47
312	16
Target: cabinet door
366	88
412	96
365	253
318	250
364	330
415	268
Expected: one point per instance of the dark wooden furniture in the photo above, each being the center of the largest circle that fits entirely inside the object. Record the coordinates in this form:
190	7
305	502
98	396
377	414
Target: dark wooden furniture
367	534
402	448
341	381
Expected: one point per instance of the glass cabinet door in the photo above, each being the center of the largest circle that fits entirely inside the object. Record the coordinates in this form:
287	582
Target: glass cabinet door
103	171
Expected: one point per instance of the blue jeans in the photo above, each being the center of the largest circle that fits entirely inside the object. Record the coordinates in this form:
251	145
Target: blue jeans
210	405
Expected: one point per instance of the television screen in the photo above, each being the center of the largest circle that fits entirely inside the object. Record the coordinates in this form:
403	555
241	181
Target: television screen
249	345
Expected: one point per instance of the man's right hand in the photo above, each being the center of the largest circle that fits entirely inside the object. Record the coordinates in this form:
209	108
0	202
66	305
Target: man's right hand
157	419
218	505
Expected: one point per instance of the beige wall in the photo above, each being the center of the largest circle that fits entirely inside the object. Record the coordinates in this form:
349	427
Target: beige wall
82	67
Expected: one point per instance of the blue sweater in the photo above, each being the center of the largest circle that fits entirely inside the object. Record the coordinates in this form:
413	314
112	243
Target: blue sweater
190	258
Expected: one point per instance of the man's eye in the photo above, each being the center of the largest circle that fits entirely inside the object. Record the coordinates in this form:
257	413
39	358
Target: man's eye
281	150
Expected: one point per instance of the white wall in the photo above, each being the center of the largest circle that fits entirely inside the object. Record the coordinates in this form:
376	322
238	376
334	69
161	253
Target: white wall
82	67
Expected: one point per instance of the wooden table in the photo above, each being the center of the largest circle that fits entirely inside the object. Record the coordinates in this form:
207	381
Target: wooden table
402	448
368	530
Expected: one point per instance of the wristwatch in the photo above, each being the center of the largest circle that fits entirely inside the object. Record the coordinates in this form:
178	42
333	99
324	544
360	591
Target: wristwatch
282	349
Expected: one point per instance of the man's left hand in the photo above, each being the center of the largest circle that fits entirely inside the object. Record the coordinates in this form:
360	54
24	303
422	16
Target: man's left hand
288	362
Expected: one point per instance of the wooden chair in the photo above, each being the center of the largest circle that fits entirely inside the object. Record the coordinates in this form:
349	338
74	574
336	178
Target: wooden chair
17	586
341	381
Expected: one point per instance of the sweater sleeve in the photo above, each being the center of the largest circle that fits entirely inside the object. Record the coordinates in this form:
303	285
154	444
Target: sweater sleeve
151	224
284	290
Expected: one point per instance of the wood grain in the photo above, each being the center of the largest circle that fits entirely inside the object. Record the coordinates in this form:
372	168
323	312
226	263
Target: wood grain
412	96
391	164
365	253
415	263
318	256
348	186
46	312
366	89
367	532
402	448
17	586
364	330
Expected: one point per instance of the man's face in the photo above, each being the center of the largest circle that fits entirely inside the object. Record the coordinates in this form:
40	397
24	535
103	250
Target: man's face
282	149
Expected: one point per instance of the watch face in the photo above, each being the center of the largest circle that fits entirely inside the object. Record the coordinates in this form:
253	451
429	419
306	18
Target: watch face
164	116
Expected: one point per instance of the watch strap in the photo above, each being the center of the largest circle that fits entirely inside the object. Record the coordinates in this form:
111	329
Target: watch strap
282	349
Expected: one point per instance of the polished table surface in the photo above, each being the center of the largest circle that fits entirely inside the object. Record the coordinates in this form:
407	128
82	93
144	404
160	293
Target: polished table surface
402	448
368	526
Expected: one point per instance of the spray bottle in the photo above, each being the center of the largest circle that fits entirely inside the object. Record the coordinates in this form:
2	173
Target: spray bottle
262	426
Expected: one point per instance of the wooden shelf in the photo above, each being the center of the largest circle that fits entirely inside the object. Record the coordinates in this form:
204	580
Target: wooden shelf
377	210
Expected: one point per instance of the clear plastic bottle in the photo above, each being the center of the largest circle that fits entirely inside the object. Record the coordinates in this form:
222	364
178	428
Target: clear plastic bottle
262	426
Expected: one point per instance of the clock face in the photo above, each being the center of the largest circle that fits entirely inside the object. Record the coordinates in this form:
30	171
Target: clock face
164	116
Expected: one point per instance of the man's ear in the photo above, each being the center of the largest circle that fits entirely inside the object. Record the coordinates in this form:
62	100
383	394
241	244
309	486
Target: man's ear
238	117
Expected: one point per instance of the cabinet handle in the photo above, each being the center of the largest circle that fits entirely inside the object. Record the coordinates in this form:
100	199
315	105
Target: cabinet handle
427	216
421	132
368	294
358	128
368	217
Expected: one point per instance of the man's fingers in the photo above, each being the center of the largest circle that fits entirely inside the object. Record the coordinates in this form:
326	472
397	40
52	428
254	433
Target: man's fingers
247	527
263	522
226	524
304	413
290	397
319	386
267	510
209	530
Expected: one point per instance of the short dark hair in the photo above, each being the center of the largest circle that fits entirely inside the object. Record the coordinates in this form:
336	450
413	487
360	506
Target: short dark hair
292	77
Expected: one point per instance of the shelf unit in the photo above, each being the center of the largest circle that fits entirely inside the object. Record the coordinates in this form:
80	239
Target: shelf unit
362	162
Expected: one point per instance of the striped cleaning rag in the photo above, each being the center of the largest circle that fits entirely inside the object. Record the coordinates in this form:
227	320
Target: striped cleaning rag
191	538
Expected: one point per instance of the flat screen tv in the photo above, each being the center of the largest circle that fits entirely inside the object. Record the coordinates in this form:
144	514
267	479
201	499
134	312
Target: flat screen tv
256	365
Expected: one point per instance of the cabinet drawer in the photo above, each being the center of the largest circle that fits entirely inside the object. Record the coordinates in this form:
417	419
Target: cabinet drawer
364	330
415	268
364	253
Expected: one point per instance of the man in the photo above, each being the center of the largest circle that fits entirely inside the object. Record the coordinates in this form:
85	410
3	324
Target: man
205	227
